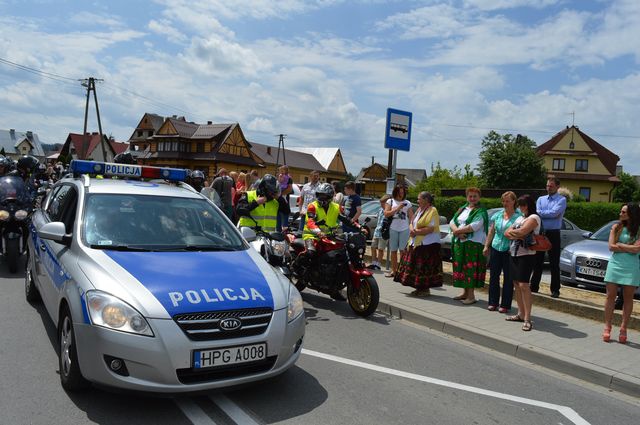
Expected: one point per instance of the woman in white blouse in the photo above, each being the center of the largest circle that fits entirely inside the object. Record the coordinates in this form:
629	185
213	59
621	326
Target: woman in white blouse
400	209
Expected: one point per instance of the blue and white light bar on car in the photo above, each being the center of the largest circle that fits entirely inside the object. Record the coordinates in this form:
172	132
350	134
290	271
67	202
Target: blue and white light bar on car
109	169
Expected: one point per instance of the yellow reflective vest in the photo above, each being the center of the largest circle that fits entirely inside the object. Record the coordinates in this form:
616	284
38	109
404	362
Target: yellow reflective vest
266	215
330	218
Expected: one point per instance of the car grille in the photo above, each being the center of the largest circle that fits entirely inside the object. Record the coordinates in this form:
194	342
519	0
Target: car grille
205	326
594	263
194	376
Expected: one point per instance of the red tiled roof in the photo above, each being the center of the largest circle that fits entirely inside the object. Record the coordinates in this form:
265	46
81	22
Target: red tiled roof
78	141
118	147
608	158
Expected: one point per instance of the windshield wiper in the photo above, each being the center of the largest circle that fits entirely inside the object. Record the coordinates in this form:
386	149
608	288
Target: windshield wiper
206	248
121	248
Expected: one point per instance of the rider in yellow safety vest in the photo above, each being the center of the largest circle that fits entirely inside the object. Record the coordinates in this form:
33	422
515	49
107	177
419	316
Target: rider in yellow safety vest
260	207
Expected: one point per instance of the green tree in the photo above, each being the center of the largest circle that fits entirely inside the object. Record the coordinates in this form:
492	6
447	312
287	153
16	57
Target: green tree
508	162
628	189
443	178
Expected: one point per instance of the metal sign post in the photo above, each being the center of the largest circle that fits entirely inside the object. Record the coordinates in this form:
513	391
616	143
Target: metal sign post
397	137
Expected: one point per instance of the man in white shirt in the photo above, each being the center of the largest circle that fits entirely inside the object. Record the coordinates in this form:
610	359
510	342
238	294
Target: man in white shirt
308	195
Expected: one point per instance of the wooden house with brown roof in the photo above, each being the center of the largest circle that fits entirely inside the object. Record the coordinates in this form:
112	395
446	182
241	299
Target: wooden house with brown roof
583	165
302	161
373	179
89	147
206	147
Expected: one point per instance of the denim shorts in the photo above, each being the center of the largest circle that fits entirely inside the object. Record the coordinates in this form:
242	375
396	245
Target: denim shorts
379	243
398	240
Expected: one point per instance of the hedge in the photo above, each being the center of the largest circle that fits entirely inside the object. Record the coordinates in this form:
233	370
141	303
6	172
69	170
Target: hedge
586	215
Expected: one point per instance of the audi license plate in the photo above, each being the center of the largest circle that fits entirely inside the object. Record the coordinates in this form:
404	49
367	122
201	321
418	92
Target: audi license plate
229	355
589	271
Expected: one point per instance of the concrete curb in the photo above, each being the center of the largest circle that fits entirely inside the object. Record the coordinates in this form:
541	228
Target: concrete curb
578	309
585	371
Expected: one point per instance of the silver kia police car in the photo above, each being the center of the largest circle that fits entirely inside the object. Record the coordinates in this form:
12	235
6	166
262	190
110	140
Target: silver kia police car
152	288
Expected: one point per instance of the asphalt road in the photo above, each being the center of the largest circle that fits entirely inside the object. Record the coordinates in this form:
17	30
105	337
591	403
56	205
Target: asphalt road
353	371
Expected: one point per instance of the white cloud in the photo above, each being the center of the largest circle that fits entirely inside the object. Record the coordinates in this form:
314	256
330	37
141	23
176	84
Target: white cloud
509	4
96	20
215	56
163	27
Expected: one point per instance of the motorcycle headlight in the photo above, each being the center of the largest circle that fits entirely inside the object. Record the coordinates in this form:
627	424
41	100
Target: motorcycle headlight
4	215
110	312
278	248
21	214
295	307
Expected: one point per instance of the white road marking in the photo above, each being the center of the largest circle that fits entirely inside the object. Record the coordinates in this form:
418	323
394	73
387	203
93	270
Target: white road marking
193	412
567	412
232	410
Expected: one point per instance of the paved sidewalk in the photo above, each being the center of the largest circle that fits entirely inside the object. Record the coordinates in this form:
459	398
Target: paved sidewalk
561	341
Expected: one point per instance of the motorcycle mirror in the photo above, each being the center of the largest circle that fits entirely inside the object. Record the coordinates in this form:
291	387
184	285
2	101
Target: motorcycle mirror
248	234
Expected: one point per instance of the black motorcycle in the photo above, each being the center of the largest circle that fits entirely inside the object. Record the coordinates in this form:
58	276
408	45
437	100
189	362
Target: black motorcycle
16	204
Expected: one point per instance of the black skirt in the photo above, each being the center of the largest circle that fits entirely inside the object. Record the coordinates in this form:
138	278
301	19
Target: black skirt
522	267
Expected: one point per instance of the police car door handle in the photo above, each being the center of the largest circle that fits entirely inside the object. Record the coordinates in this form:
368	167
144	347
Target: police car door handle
43	247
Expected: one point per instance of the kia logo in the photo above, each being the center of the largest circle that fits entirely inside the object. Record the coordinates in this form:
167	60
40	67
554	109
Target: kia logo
230	324
592	263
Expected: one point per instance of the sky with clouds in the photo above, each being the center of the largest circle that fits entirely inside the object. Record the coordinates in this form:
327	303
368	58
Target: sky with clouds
325	71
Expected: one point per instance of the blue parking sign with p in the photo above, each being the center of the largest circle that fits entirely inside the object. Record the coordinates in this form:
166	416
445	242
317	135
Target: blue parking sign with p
398	130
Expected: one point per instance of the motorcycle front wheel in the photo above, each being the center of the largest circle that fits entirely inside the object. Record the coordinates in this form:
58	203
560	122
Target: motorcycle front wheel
364	300
13	253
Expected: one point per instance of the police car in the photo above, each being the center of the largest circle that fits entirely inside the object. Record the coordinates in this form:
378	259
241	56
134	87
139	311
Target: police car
152	288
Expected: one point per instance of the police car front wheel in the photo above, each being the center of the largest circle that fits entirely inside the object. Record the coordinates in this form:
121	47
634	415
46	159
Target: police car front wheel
70	376
30	290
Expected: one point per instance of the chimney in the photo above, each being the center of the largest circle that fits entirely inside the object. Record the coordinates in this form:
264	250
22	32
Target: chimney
174	117
29	135
13	133
268	150
209	122
373	158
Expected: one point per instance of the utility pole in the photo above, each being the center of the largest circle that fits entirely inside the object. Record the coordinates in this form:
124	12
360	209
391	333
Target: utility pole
284	159
90	84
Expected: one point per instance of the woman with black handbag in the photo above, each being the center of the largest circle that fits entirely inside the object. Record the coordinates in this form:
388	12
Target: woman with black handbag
523	259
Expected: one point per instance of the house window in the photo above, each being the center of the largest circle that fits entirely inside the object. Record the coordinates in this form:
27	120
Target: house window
585	192
558	164
582	165
139	133
150	133
200	147
174	146
572	145
160	146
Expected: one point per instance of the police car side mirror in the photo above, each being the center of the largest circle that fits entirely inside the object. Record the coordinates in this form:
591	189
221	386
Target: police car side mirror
55	231
248	234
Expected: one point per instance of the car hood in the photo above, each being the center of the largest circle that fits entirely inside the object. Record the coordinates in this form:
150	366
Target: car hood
590	248
163	284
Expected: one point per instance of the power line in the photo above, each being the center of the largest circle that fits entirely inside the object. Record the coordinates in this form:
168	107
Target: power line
39	72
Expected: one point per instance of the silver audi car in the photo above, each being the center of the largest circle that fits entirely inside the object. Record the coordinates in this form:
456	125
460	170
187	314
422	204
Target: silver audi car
152	288
584	263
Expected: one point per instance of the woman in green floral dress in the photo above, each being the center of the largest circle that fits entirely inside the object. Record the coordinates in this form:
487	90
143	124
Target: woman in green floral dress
469	227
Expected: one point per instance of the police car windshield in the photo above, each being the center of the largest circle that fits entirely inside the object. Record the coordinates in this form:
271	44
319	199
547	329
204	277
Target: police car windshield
156	223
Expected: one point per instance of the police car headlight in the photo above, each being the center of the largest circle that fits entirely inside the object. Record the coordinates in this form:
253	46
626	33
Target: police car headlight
21	214
110	312
295	307
4	215
566	254
278	248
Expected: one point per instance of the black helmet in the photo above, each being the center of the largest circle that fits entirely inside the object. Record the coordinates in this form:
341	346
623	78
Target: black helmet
324	194
268	186
124	158
197	174
27	163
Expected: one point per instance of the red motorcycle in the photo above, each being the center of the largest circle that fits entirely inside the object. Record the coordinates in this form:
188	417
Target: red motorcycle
338	263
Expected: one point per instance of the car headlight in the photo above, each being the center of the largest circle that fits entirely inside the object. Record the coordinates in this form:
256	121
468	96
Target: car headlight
566	254
295	307
278	248
21	214
110	312
4	215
